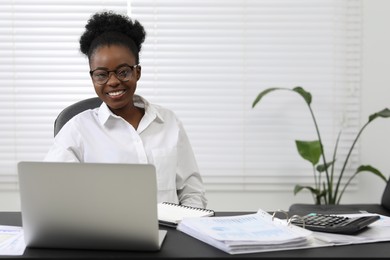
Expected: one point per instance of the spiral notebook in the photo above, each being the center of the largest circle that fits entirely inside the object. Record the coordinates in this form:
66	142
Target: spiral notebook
170	214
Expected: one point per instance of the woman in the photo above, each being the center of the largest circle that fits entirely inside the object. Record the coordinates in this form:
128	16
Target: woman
126	128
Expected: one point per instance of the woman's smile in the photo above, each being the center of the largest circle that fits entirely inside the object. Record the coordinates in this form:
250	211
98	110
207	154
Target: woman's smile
116	93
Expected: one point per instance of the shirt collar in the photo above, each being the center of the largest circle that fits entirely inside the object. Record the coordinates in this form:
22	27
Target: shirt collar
151	113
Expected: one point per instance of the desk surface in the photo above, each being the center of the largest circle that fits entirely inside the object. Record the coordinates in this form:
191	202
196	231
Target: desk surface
180	245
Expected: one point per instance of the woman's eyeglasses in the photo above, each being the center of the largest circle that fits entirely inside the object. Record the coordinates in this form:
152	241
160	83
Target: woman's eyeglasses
123	73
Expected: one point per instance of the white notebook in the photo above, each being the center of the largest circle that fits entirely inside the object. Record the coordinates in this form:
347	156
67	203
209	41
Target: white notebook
170	214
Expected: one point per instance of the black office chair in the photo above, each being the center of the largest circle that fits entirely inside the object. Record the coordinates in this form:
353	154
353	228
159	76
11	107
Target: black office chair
381	208
385	202
73	110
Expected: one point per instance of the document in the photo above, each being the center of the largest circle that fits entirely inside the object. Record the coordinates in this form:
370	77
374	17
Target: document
261	232
249	233
11	240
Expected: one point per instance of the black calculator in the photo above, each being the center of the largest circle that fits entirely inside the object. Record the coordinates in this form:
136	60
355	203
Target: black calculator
334	223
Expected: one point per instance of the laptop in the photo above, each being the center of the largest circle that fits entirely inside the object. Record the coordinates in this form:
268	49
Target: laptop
89	206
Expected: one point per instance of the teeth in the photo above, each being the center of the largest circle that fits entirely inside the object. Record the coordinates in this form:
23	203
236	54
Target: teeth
116	93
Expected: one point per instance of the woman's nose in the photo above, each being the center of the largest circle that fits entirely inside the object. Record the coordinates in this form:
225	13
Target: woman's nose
112	79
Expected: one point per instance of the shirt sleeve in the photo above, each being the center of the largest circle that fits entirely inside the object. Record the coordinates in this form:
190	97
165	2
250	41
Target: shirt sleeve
64	146
189	183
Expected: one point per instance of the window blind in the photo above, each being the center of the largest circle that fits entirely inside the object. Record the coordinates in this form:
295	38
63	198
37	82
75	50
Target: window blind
41	72
208	59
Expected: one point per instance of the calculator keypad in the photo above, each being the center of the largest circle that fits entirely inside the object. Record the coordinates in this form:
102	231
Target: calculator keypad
334	223
323	220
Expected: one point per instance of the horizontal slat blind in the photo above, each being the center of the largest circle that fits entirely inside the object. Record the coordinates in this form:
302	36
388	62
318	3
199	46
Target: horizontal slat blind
208	59
41	72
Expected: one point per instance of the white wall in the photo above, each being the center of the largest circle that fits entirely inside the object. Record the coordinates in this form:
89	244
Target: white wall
375	141
375	95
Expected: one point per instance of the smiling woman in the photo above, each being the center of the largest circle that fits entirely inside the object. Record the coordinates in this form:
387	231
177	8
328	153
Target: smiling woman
126	128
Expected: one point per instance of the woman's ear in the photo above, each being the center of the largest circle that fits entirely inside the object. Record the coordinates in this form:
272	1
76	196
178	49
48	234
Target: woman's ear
138	71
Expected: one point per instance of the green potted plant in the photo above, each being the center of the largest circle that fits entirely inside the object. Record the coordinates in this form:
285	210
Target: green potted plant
328	191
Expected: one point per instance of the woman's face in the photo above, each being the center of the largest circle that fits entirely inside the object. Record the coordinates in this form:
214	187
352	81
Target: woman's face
117	62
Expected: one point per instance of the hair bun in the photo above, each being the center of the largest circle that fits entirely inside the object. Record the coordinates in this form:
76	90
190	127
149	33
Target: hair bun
108	21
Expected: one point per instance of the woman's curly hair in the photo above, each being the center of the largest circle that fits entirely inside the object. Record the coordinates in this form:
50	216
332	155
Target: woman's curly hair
107	28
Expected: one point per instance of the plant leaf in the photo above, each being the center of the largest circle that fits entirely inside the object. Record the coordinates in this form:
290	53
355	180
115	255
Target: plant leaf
306	95
322	167
383	113
262	94
309	150
298	188
369	168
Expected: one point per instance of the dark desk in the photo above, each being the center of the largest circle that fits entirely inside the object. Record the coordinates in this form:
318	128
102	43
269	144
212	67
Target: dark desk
180	245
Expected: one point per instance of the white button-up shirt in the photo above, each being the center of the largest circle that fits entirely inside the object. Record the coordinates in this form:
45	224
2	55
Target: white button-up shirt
98	135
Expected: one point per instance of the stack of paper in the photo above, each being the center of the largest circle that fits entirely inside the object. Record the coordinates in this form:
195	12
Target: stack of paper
11	240
247	233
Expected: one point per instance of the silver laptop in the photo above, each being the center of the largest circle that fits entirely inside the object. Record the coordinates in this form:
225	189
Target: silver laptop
89	206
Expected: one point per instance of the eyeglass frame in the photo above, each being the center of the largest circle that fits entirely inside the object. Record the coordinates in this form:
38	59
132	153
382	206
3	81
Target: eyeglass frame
116	75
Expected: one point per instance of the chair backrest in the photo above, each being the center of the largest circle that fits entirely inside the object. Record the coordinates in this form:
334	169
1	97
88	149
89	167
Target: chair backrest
73	110
386	196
